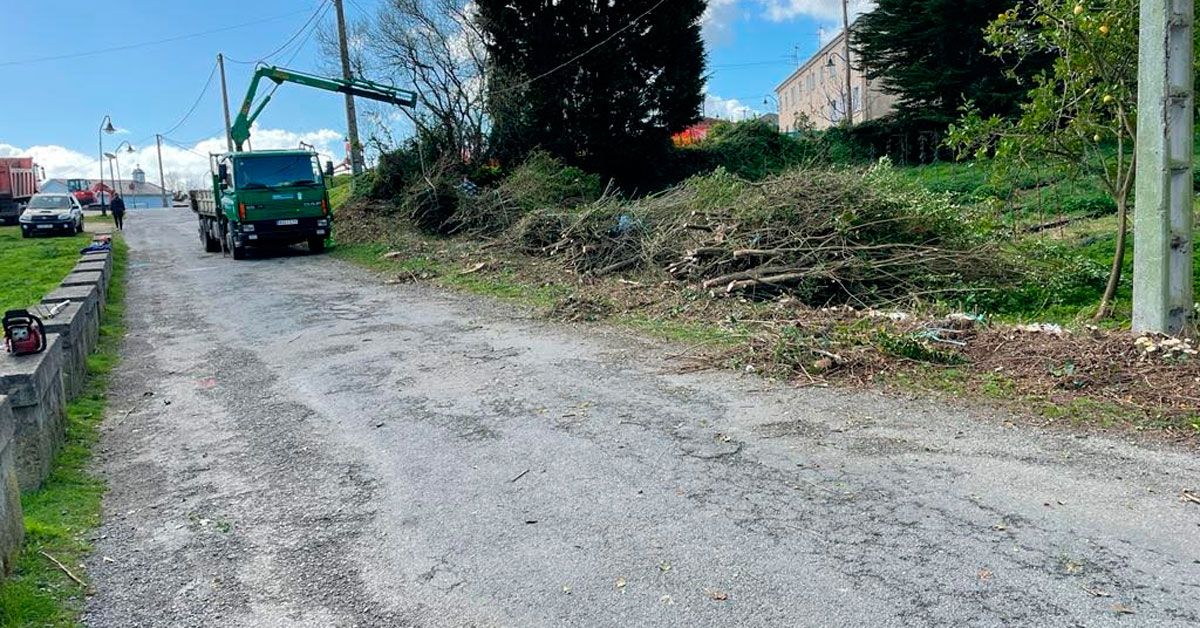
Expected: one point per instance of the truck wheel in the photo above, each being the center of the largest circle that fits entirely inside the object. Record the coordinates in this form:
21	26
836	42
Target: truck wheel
316	244
211	244
238	252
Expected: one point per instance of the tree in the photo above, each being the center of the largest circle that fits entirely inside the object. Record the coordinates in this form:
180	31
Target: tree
932	55
1081	112
436	47
600	84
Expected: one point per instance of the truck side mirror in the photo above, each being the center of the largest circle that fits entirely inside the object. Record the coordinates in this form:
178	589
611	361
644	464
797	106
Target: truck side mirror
329	169
223	174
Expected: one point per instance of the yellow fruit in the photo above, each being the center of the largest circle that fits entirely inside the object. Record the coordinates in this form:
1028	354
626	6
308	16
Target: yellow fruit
1078	9
1096	137
1104	29
1108	99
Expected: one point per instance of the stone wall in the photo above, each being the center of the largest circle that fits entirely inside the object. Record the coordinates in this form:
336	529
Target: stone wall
35	390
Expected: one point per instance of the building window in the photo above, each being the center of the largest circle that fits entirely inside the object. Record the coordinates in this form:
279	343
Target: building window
856	99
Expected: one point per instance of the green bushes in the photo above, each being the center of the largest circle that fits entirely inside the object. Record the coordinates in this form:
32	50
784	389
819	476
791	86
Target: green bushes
755	150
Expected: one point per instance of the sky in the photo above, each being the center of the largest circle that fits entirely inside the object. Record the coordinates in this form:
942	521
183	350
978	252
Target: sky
150	65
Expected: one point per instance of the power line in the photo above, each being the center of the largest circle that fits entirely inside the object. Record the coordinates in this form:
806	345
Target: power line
320	15
76	55
195	104
322	7
585	53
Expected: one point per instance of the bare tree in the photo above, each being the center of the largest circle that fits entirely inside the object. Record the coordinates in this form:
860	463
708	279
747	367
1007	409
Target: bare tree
435	46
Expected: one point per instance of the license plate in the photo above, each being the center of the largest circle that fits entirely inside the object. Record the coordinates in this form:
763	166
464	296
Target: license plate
282	223
45	226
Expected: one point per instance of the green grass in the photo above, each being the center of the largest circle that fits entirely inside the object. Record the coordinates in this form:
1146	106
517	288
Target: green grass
60	517
29	268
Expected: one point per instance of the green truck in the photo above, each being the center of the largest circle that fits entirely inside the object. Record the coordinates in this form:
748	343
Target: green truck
274	197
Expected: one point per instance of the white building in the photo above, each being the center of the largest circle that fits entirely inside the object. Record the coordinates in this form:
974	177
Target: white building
815	94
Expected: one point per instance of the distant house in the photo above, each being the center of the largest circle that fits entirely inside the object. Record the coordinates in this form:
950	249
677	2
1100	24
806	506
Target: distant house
136	191
815	94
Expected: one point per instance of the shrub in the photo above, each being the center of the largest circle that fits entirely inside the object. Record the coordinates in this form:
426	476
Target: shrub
542	182
755	150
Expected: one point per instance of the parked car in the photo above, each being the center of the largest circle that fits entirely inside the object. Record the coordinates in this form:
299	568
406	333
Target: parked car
52	213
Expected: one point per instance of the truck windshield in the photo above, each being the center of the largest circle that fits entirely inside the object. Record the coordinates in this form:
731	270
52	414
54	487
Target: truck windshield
49	202
276	171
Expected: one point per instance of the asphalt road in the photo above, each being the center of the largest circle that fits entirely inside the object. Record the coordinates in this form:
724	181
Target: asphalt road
291	442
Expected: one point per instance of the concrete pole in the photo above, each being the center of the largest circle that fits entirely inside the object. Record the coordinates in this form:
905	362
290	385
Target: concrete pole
162	180
846	33
356	160
225	103
1162	270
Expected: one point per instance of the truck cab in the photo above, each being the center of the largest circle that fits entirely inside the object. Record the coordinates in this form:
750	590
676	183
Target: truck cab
263	198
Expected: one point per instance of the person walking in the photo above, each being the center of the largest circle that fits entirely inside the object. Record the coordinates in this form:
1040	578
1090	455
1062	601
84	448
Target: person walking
118	211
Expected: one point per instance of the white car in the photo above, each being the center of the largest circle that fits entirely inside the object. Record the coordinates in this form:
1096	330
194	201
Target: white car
50	214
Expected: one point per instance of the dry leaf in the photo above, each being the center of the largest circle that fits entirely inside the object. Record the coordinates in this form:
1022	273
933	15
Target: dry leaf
1121	609
719	596
620	583
664	566
984	575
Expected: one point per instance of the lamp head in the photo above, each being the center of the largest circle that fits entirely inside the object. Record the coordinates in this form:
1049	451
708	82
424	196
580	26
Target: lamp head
110	155
109	128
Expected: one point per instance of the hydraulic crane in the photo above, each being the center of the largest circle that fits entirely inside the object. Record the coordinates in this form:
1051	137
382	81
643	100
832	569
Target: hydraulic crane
240	131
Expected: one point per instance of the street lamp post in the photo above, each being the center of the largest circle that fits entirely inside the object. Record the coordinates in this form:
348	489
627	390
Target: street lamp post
115	156
106	126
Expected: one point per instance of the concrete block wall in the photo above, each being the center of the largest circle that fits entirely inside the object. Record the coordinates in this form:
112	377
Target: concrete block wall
35	389
12	527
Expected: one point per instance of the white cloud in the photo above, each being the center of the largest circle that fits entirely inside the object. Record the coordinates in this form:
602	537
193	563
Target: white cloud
728	108
718	20
825	10
179	163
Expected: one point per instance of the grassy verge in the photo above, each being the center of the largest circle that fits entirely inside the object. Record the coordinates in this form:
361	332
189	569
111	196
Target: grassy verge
61	515
31	267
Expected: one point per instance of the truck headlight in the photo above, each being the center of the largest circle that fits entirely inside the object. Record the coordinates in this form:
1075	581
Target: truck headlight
322	223
26	218
247	228
64	216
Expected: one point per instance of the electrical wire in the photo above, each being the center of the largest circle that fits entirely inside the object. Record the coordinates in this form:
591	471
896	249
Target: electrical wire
88	53
315	25
321	8
585	53
192	109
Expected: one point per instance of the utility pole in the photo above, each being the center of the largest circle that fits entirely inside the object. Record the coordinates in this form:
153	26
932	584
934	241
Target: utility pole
225	102
846	34
1162	231
162	180
356	161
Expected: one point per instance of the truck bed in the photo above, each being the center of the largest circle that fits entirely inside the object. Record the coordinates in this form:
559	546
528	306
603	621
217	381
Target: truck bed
203	202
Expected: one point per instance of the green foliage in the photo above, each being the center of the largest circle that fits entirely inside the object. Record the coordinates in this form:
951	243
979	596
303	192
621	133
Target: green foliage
755	150
1054	277
1080	113
614	110
915	348
931	54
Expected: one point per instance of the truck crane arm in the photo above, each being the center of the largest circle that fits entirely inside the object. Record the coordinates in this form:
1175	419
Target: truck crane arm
240	131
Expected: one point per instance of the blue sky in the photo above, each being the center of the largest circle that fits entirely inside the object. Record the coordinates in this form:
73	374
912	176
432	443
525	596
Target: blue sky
148	87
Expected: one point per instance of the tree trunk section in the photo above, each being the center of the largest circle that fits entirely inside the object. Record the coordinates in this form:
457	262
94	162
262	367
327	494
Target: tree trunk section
1114	275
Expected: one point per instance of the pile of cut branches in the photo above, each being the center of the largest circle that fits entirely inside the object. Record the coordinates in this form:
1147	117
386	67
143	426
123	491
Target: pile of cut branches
825	236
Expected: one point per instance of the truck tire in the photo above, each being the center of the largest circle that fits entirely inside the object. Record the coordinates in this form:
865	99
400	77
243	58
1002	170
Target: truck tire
211	244
238	252
316	244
